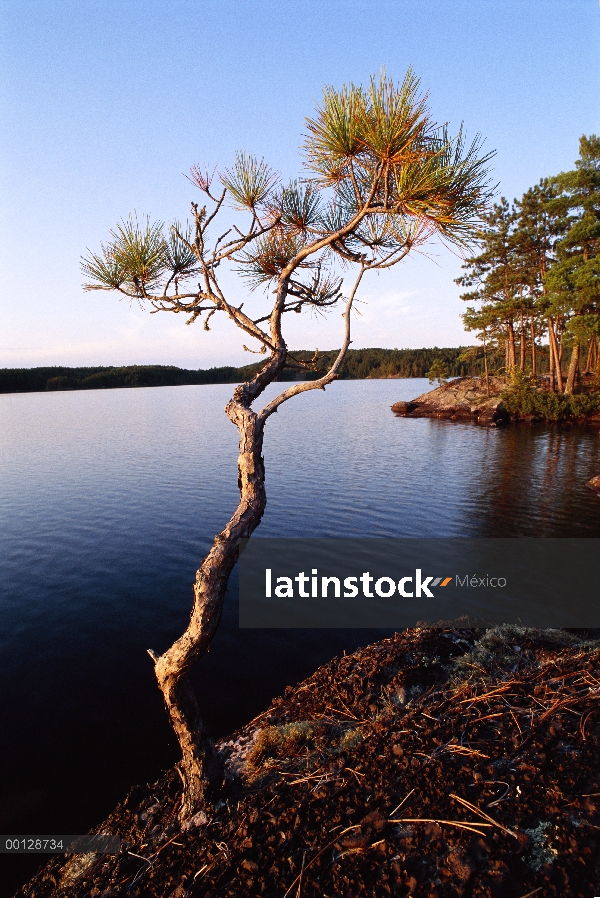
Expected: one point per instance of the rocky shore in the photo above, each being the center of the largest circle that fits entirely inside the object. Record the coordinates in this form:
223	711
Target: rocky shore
498	402
440	762
463	399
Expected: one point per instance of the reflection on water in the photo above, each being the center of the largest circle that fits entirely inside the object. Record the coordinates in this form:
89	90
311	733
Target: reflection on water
109	500
363	471
532	483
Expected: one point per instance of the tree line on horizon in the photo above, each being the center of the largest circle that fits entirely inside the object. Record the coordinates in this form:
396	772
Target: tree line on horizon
536	276
359	364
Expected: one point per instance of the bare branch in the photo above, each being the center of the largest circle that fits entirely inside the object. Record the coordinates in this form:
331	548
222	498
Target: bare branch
215	210
219	239
288	307
322	382
240	318
243	241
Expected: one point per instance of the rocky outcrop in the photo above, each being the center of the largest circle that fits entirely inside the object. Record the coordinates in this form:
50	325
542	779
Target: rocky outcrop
463	399
594	484
395	770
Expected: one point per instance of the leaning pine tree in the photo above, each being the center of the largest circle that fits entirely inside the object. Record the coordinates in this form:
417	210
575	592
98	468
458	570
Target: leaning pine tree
381	179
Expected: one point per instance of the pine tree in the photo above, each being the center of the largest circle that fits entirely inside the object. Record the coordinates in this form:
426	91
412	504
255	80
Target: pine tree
494	275
380	179
574	281
538	227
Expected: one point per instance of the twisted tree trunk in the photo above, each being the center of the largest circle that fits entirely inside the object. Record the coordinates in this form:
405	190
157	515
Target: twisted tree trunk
199	765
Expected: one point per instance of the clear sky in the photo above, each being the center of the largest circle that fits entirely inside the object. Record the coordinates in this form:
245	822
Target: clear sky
105	103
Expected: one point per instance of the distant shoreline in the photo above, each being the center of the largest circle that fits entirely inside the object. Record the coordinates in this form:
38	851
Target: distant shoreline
359	364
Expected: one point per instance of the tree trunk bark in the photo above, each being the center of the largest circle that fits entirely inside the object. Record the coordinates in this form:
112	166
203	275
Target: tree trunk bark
485	363
555	354
590	364
573	368
551	358
533	348
199	765
511	346
560	350
522	341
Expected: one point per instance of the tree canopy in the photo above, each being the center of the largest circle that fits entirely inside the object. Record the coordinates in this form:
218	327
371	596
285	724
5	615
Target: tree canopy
380	178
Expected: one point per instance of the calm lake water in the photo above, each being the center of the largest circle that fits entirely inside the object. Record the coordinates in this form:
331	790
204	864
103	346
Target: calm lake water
109	500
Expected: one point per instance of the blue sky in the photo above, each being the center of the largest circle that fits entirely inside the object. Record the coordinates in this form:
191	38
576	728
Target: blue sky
105	104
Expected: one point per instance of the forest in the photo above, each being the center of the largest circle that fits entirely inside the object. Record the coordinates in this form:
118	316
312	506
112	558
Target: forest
358	364
534	279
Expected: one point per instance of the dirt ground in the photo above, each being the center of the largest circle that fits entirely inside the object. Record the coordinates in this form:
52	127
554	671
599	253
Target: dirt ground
437	763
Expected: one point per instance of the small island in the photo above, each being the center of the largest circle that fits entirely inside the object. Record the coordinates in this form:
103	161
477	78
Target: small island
496	401
463	399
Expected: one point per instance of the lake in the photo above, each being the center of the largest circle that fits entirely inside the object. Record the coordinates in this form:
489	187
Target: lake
111	498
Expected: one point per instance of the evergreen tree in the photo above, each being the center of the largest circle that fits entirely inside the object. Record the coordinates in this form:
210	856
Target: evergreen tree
539	270
380	180
574	281
494	275
538	227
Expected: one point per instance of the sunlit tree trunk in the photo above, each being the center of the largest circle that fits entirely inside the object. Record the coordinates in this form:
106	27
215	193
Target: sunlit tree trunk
512	355
573	368
485	363
199	765
555	355
591	357
533	348
522	341
560	351
551	365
